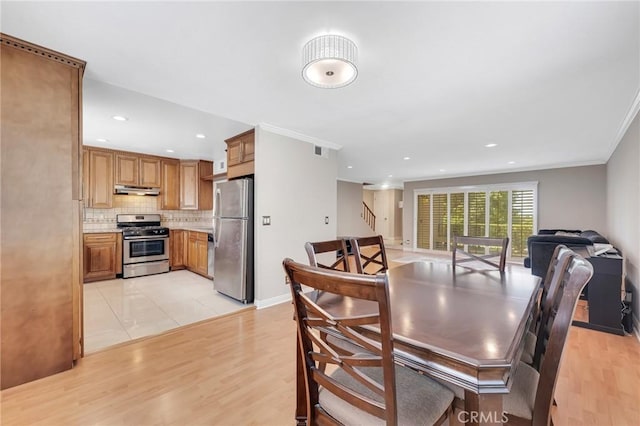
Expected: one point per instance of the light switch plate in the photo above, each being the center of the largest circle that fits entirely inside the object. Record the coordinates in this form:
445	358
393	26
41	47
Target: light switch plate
326	220
266	220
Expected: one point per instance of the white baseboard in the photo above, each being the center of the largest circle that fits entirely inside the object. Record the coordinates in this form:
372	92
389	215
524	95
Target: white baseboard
272	301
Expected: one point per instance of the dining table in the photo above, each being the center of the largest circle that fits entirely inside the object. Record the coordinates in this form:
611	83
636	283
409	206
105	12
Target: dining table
460	325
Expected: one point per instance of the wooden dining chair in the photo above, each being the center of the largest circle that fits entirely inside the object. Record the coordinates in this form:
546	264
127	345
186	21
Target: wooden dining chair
501	243
337	262
365	387
530	398
557	267
370	255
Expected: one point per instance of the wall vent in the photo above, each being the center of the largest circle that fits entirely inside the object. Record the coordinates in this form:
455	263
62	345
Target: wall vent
320	151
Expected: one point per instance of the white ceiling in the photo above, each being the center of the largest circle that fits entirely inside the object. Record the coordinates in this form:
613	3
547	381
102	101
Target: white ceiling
550	83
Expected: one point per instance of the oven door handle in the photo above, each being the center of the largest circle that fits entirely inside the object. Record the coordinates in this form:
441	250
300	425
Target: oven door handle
146	237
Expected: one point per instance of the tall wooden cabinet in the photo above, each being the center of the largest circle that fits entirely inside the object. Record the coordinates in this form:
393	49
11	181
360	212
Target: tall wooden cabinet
98	178
170	187
40	239
196	192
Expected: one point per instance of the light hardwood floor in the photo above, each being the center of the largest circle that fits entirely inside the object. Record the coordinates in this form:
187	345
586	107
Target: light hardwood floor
239	370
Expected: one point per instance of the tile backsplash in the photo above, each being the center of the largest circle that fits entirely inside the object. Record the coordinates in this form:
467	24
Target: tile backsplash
98	219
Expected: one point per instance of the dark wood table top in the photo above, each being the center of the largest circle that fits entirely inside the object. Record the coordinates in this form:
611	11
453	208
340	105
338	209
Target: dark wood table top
467	317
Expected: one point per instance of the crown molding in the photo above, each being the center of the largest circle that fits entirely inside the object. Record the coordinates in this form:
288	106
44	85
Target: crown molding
295	135
628	119
512	170
7	40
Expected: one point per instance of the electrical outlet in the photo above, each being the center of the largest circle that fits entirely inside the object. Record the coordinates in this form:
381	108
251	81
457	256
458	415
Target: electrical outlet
326	220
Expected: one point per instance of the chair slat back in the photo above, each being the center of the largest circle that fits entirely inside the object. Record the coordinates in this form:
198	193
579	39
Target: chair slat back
550	301
559	254
370	255
502	243
312	320
577	274
339	247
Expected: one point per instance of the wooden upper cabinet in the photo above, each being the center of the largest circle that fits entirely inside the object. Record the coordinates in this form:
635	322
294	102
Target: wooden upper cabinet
137	170
205	185
196	193
241	154
170	185
126	169
100	179
189	179
150	172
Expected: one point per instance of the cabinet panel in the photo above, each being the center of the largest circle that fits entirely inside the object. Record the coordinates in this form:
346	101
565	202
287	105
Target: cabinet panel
41	121
248	148
100	254
205	187
150	172
170	188
177	249
189	179
100	179
192	251
241	154
233	153
126	169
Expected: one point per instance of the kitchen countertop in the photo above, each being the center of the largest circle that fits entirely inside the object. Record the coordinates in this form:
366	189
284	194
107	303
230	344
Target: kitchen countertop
208	230
101	231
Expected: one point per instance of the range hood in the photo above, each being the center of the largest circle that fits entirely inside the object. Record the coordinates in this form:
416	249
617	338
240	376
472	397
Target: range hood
136	190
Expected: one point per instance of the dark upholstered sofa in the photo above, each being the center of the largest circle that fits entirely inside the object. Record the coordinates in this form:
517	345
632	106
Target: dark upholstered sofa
541	246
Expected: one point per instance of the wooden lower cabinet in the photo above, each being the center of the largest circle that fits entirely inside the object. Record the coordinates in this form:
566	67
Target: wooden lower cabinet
101	260
197	260
177	248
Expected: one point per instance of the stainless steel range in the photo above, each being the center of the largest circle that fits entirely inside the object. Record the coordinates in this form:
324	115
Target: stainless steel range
145	247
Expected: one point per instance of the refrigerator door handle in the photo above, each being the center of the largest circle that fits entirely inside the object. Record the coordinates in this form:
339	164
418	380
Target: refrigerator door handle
216	206
217	231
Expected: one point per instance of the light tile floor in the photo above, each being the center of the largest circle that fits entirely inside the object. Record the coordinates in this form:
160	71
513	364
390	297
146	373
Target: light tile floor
119	310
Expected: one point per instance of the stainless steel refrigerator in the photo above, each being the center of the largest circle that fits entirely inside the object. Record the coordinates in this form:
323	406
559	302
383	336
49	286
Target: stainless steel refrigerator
233	235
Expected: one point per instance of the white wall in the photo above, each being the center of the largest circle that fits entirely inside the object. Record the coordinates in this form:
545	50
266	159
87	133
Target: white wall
623	186
297	189
350	221
568	198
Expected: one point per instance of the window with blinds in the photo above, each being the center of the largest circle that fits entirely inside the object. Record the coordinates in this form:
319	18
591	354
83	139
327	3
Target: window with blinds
490	211
440	221
522	221
423	239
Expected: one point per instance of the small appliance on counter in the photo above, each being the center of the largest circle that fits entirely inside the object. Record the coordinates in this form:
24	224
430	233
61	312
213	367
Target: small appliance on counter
233	239
145	245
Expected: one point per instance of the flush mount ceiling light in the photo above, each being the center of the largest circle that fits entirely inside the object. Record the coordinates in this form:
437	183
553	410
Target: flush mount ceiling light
119	118
200	136
329	61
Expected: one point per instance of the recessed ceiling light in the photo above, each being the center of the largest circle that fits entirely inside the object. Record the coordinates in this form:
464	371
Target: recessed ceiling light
385	186
511	162
491	145
349	167
102	140
390	175
200	136
170	150
119	118
406	158
443	170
